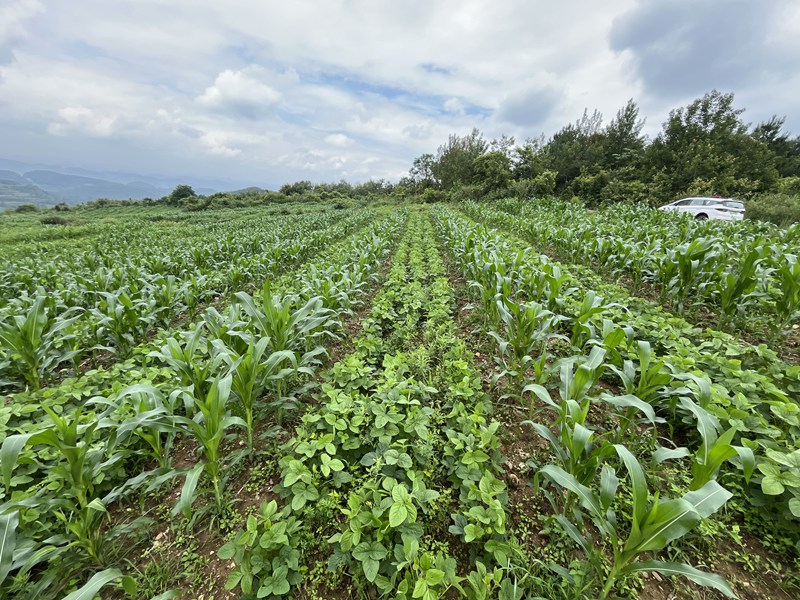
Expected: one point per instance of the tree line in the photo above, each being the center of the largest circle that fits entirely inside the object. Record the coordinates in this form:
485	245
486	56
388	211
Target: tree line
704	148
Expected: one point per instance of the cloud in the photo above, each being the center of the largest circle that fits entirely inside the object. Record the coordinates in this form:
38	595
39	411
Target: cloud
13	29
529	108
339	140
241	94
83	120
679	48
454	106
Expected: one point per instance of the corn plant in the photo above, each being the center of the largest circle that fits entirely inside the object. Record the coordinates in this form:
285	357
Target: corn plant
36	343
251	374
209	427
153	420
787	298
737	289
527	329
124	319
84	455
590	308
288	328
654	523
196	361
715	449
572	443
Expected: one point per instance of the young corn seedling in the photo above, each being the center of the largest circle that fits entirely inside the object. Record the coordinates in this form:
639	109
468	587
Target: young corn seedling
153	421
37	342
528	327
736	289
654	524
209	427
787	298
252	372
84	455
195	360
124	319
287	327
715	449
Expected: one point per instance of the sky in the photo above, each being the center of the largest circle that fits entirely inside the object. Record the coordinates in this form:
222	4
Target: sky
263	92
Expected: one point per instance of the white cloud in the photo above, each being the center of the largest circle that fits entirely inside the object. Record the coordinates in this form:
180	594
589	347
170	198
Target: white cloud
338	139
82	120
241	94
454	106
13	30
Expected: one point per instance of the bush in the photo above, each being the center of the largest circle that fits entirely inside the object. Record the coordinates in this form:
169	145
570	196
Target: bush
61	207
618	190
789	186
23	208
53	220
431	195
590	186
781	209
544	184
459	193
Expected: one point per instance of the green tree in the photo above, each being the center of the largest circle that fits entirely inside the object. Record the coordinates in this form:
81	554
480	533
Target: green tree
706	146
786	149
623	143
180	193
575	150
492	171
297	188
455	161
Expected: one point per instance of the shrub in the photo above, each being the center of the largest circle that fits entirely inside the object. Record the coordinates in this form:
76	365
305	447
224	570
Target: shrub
618	190
53	220
23	208
789	185
781	209
431	195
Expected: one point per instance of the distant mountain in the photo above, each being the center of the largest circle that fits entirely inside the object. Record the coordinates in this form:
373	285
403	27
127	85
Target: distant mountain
14	192
46	185
11	176
253	189
49	187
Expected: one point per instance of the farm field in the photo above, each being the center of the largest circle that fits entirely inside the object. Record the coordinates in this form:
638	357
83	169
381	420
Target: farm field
508	400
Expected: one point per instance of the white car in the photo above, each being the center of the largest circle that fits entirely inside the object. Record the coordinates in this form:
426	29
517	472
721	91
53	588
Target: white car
727	209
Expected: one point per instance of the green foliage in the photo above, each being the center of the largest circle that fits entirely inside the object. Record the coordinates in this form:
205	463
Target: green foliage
705	146
779	208
37	341
180	194
492	171
266	554
454	164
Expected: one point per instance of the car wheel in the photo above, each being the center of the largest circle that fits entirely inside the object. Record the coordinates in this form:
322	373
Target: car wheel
701	217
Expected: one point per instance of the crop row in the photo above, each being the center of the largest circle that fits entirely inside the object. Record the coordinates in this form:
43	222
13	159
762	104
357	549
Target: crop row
396	469
569	353
225	375
738	270
108	301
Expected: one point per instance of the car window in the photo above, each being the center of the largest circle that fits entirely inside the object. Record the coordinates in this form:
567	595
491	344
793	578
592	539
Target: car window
698	202
683	203
733	204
